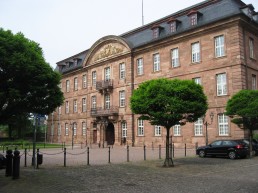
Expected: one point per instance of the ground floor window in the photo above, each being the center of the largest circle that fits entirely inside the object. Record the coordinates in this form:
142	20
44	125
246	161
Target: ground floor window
140	128
223	125
177	130
124	129
157	130
198	127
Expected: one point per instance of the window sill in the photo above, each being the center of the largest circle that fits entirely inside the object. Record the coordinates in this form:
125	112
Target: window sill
219	57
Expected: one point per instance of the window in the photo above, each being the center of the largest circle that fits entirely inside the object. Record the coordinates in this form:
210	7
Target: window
122	71
219	46
107	101
94	78
122	98
107	74
251	47
67	85
84	106
198	127
155	32
221	84
254	82
173	26
74	129
223	125
193	19
198	80
157	130
60	85
140	128
59	129
195	52
177	130
83	128
124	129
156	62
140	66
175	57
93	102
59	110
76	83
67	107
66	129
84	81
75	106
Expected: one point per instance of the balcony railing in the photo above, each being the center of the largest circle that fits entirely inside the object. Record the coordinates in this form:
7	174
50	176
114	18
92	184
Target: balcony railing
100	111
104	85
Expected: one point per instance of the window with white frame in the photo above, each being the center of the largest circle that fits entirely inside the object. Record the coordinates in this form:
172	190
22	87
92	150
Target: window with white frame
219	46
221	84
177	130
223	125
74	129
67	107
107	74
122	98
83	128
157	130
155	32
93	102
75	106
84	105
139	66
254	82
140	127
107	101
193	19
175	57
59	129
124	129
196	52
66	129
76	83
197	80
198	127
84	81
173	26
94	78
67	85
122	71
156	62
60	110
251	47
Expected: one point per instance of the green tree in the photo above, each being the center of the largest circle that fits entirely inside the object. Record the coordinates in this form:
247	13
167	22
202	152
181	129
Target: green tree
28	83
167	103
243	108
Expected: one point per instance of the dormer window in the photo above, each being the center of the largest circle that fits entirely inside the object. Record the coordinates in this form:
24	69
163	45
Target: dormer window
248	10
194	17
156	31
75	61
173	24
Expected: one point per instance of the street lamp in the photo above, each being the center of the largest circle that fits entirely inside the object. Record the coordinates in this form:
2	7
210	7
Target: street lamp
72	127
205	122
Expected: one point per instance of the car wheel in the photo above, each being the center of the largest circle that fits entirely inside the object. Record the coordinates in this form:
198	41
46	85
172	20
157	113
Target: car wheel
202	153
232	155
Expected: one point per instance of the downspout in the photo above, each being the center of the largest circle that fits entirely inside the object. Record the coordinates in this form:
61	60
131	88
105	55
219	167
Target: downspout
245	59
132	89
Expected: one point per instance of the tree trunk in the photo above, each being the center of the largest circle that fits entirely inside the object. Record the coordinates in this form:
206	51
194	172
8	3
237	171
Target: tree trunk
168	160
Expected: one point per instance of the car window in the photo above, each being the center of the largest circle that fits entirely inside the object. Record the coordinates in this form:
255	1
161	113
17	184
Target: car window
227	143
216	143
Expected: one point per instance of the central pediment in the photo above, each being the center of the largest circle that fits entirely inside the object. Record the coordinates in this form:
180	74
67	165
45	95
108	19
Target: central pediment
107	51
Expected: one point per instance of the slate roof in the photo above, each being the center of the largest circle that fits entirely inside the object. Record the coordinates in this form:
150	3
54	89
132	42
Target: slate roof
210	10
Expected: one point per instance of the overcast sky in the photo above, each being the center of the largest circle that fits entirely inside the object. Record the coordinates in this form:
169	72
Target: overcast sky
66	27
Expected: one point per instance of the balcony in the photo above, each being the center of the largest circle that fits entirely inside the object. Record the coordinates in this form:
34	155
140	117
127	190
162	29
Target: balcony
104	86
102	112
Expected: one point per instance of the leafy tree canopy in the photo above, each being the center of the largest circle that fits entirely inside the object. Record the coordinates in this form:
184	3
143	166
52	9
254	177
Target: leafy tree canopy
27	83
169	102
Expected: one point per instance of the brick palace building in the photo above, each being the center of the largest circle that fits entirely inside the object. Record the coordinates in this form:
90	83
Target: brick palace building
213	43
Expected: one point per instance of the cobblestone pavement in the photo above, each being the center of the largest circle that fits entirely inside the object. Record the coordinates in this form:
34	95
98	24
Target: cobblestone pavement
190	174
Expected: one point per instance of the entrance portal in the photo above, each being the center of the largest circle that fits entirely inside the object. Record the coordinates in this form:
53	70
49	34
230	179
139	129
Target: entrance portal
110	134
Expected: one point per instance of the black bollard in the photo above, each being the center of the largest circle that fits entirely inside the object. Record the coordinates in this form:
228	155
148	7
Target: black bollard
88	156
127	153
9	162
16	164
64	157
109	154
159	151
25	158
144	152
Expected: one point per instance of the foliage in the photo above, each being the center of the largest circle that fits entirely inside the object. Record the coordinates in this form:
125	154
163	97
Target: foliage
28	83
169	102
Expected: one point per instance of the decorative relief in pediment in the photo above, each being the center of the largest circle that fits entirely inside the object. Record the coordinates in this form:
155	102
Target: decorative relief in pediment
108	51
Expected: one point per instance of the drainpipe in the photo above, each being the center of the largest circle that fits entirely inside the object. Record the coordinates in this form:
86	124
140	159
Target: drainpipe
132	89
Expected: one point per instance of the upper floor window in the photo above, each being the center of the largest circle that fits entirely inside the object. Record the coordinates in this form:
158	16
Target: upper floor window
198	80
122	71
67	85
76	83
194	17
75	106
84	128
124	129
60	110
93	102
254	82
223	125
140	66
67	107
177	130
251	47
140	127
122	98
219	46
66	129
107	101
198	127
221	84
156	62
173	26
155	32
175	57
107	74
84	81
196	52
94	78
157	130
84	106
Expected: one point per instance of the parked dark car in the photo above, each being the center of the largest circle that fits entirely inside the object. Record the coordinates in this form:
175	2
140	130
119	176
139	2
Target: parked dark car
2	161
254	145
230	148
